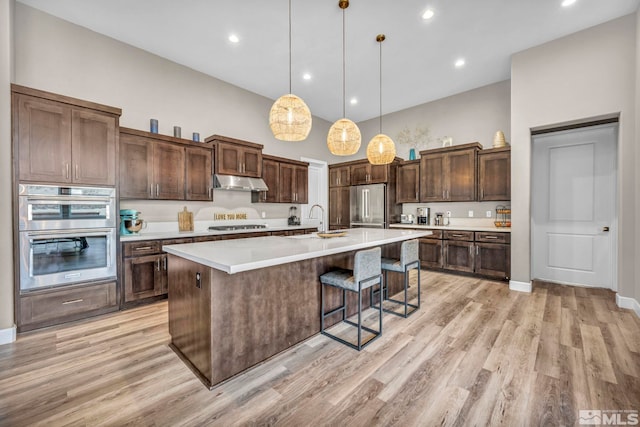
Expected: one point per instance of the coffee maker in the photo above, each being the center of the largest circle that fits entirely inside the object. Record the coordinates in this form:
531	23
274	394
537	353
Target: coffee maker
423	215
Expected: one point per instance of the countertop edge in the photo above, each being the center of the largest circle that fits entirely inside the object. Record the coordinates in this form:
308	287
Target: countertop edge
160	235
452	227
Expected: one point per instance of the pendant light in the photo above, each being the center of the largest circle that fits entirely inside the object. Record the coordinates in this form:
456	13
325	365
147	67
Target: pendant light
290	118
344	137
381	149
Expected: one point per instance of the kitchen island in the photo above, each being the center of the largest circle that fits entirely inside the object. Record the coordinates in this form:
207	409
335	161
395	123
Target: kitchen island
234	304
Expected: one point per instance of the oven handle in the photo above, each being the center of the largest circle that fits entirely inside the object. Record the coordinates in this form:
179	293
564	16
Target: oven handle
70	233
68	201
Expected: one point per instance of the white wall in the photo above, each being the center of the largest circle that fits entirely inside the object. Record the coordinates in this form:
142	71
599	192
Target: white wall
6	250
472	116
637	149
583	75
60	57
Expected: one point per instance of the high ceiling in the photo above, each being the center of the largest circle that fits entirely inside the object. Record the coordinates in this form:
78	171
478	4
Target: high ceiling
417	58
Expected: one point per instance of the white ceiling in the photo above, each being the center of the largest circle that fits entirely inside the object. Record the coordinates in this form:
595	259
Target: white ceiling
418	55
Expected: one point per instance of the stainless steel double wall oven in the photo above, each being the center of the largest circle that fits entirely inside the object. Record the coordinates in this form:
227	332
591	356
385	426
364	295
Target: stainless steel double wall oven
67	235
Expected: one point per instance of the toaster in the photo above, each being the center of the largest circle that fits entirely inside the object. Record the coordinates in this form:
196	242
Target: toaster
406	219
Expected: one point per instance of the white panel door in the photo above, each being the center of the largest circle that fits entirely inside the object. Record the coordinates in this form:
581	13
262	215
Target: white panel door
573	206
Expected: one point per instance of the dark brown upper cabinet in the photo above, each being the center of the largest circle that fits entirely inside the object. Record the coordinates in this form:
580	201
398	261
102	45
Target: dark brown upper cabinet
154	166
286	179
408	182
494	174
449	174
363	172
236	157
339	176
63	140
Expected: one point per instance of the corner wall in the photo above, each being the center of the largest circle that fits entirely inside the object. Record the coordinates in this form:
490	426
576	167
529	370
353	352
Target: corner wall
7	327
583	75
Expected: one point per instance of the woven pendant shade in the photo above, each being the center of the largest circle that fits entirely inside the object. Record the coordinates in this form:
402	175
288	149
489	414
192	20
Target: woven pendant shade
381	150
344	138
290	118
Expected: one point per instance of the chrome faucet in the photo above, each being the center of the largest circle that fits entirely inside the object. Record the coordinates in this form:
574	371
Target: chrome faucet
321	227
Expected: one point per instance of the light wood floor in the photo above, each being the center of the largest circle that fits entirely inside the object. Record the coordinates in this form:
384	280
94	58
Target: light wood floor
475	354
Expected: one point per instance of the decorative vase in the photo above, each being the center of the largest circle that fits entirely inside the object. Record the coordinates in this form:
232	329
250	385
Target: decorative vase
177	131
412	154
196	137
153	125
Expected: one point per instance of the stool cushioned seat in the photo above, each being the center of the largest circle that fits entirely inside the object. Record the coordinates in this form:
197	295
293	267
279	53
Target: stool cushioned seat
392	264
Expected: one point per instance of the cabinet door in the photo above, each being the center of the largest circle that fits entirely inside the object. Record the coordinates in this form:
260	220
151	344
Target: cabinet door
460	176
43	139
459	255
339	207
271	176
251	162
136	160
494	176
431	178
339	176
378	174
143	277
199	174
360	174
168	171
408	183
493	259
228	159
301	187
287	182
93	148
431	253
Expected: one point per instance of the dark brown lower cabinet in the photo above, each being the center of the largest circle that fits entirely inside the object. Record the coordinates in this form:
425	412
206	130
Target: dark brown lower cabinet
459	256
431	251
65	304
145	277
493	259
486	254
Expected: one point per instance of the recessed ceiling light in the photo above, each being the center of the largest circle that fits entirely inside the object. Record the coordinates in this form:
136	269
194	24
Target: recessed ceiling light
306	76
428	14
567	3
233	38
353	101
460	63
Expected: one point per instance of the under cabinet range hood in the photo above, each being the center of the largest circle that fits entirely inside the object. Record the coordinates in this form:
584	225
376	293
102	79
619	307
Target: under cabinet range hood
238	183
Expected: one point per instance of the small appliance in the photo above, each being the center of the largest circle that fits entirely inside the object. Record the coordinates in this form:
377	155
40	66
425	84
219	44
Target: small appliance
424	215
406	218
439	219
129	222
293	219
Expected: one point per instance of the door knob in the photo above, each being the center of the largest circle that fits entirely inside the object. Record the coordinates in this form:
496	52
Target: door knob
605	228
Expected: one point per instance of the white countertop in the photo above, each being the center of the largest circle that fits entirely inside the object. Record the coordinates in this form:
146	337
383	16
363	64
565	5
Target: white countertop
234	256
453	227
172	234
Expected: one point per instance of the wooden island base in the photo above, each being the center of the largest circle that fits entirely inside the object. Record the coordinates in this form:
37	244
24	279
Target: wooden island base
221	324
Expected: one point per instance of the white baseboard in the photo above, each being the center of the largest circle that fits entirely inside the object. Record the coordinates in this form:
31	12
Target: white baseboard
520	286
7	335
630	303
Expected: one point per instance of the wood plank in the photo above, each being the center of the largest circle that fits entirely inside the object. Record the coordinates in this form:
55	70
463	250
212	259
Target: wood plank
475	354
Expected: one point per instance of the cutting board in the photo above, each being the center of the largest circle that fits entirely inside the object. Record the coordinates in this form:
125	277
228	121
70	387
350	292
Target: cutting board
185	220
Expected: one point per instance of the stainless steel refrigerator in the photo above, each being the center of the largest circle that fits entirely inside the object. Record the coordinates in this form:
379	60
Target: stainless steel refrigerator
369	206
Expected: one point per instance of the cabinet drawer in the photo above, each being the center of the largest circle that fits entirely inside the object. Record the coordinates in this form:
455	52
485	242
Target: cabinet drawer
66	304
458	235
205	239
176	241
492	237
435	234
147	247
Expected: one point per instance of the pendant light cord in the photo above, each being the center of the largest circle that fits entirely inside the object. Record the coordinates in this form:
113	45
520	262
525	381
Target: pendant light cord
344	91
290	46
380	86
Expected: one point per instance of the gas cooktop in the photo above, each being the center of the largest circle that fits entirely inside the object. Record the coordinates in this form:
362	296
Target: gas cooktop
237	227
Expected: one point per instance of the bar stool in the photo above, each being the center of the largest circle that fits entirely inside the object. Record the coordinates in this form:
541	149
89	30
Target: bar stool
409	259
366	273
